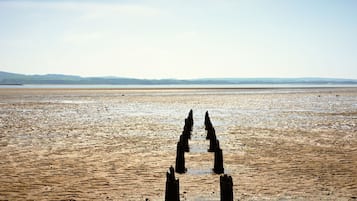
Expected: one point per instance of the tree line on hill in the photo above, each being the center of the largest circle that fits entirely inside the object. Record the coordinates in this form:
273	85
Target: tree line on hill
7	78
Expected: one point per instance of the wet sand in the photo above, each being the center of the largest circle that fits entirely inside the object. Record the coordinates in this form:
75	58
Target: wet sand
115	144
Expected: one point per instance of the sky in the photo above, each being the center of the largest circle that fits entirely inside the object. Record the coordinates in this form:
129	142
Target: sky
180	38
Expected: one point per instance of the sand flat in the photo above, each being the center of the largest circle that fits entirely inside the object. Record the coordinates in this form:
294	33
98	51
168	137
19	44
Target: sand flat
117	144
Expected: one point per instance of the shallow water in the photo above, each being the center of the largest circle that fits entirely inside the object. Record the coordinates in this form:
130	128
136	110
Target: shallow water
289	144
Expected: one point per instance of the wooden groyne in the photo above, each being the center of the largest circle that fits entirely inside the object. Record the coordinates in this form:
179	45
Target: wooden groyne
172	184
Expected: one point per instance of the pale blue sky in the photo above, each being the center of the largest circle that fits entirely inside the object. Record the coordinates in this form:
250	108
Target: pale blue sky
181	38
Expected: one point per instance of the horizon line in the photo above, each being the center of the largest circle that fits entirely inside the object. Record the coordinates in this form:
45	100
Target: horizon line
196	78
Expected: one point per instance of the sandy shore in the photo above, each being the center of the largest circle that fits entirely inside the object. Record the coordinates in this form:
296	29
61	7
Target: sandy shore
115	144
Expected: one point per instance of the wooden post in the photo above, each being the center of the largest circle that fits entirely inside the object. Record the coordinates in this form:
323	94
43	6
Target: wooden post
210	133
180	158
226	183
184	142
189	121
218	160
172	192
190	118
208	126
187	128
212	140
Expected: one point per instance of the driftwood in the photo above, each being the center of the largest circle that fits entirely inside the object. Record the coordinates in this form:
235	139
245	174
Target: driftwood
172	192
226	183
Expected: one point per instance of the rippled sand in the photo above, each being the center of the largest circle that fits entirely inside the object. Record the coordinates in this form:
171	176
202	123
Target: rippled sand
278	144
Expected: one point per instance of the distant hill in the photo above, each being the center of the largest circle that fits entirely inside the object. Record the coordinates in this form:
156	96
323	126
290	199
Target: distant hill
14	78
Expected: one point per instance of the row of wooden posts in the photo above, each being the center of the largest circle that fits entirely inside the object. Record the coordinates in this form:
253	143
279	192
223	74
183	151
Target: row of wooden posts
172	184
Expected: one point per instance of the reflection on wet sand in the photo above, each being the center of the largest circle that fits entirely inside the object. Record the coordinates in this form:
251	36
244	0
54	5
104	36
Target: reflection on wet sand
295	144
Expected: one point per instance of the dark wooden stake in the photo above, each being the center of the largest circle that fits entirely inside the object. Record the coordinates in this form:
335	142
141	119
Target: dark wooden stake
218	160
184	142
187	128
172	192
180	158
208	126
226	183
212	140
190	118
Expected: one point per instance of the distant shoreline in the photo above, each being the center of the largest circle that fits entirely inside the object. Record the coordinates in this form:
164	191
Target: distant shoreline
11	84
175	87
123	82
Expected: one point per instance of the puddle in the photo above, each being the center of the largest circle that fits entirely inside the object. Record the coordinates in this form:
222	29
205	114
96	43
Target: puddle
204	172
198	148
199	171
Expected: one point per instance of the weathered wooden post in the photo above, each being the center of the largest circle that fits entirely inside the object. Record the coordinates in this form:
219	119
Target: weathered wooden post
212	140
207	121
208	126
172	192
218	160
190	118
226	183
187	128
180	158
186	133
190	121
209	133
184	142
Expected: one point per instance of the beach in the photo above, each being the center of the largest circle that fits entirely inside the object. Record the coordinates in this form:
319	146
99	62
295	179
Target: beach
117	144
